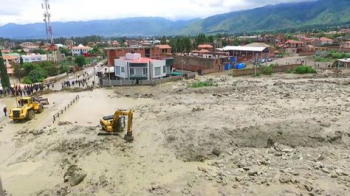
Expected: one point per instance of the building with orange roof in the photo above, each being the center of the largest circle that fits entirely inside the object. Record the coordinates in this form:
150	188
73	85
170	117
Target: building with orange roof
205	47
325	40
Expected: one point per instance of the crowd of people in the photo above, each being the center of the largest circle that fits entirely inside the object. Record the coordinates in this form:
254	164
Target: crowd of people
24	90
78	82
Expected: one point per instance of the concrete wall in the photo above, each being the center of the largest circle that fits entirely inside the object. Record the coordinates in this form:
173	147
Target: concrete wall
158	64
107	83
246	72
118	65
159	81
196	63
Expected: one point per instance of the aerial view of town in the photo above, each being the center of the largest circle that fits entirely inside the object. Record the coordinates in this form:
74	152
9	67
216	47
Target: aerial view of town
175	98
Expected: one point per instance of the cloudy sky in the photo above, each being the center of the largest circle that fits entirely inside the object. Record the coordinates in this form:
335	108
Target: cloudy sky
30	11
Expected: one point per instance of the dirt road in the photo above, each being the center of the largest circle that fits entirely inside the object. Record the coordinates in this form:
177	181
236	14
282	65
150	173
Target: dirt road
248	136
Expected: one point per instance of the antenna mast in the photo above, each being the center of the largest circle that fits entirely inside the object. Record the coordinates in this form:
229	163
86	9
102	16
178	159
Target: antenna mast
47	20
49	32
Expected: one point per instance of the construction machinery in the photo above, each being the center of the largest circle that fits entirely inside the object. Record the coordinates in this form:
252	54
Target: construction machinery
116	123
26	109
43	101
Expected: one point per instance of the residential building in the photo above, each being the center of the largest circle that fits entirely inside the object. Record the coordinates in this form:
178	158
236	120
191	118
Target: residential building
135	67
205	47
9	44
294	44
244	53
325	40
69	43
155	52
346	44
32	58
80	50
280	39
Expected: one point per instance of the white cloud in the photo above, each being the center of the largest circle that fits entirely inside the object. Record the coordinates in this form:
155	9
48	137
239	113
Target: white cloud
30	11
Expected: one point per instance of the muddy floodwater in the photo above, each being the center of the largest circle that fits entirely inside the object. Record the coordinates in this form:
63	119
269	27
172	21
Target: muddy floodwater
278	135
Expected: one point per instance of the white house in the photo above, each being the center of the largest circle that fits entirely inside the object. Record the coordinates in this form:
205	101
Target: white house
135	67
31	58
80	50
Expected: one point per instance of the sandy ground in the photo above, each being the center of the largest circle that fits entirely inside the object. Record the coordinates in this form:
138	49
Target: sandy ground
279	135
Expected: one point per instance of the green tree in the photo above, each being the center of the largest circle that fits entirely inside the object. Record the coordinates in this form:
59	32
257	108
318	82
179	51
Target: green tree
5	81
200	39
163	40
80	61
37	75
211	39
39	50
65	51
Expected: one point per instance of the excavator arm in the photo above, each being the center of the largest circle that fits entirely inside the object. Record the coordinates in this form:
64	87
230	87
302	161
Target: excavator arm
114	123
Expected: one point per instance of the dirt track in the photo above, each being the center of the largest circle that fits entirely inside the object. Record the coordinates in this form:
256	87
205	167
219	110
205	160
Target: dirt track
248	136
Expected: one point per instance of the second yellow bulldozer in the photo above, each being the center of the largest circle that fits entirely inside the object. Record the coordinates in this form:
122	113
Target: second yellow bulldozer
116	123
26	109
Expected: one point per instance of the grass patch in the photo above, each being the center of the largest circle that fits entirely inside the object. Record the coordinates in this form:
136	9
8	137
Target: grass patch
257	74
305	70
320	59
203	84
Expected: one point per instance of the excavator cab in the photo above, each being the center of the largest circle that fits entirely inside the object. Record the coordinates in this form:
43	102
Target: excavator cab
116	123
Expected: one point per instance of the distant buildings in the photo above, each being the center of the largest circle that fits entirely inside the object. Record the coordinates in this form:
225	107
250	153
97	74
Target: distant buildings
80	50
33	58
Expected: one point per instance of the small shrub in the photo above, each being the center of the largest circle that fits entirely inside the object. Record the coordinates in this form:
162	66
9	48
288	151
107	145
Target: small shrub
203	84
27	80
304	70
267	70
257	74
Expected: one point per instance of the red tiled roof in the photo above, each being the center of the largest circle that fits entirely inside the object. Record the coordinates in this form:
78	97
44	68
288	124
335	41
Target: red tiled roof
201	51
294	42
84	47
163	46
8	57
142	60
205	46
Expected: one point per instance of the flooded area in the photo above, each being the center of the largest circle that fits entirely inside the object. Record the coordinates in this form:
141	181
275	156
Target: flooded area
282	135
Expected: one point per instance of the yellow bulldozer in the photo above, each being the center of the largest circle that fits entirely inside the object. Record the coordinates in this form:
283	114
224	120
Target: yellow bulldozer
27	108
116	123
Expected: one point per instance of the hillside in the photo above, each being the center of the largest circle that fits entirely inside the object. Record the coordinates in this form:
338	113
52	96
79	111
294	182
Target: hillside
322	12
272	17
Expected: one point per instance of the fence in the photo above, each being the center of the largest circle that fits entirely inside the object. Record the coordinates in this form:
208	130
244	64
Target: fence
159	81
108	83
57	115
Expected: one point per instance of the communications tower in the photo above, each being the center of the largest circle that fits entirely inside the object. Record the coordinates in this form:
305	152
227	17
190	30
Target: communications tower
48	28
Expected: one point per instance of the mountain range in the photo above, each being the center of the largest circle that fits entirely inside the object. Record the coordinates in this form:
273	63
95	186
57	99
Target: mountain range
271	17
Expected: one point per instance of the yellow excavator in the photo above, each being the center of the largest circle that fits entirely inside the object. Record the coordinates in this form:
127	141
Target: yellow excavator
116	123
27	109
